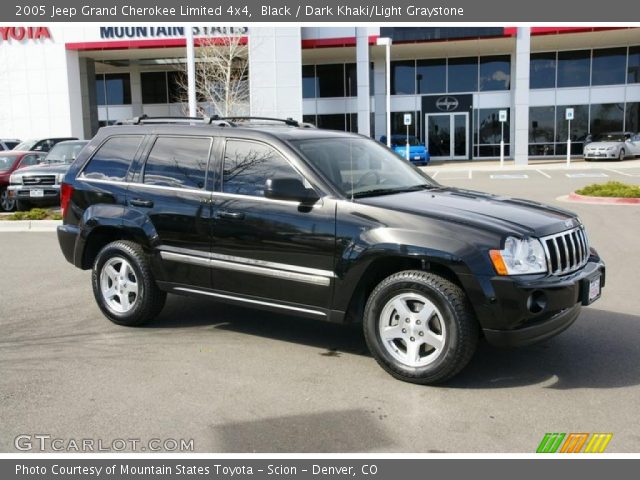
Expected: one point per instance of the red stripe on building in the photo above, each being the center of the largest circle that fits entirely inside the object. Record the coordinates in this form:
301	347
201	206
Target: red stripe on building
147	43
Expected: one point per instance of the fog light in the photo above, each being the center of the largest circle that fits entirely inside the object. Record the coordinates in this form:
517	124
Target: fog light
537	302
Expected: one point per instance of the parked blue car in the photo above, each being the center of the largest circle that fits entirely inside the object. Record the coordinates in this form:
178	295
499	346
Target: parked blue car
418	153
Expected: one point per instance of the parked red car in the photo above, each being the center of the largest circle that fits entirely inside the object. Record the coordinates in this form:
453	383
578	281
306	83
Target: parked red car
9	161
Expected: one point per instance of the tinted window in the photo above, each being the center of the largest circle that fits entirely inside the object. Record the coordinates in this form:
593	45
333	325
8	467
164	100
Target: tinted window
541	124
633	68
113	158
113	89
330	80
607	117
579	124
178	162
309	81
351	79
248	165
543	70
463	74
403	77
573	68
154	87
632	118
495	72
489	127
608	66
431	76
334	121
11	145
176	82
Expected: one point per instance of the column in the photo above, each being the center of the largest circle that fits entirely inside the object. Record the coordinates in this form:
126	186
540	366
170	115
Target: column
520	97
362	65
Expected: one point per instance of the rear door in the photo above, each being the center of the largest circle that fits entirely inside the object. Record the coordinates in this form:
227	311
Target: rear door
171	191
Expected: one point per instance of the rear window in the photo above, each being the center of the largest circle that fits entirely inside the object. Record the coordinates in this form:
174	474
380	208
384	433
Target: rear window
112	160
179	162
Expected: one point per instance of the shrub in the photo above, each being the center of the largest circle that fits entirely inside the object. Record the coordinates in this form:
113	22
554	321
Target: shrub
611	189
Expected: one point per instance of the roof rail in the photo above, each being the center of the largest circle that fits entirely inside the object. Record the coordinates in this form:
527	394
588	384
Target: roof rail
288	121
213	120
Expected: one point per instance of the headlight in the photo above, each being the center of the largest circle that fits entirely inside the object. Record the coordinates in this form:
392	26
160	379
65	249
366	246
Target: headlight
519	257
611	148
60	178
15	179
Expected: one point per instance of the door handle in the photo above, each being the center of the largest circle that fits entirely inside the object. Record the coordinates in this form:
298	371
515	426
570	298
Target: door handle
230	215
138	202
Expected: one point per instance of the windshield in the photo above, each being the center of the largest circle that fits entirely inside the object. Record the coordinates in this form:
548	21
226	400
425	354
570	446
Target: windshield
7	161
25	146
361	167
401	140
609	137
64	152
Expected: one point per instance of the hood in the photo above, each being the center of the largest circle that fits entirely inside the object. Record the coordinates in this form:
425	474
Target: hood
44	169
502	215
603	144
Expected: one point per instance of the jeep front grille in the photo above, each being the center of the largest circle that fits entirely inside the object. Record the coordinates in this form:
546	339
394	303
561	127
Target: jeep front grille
39	180
566	251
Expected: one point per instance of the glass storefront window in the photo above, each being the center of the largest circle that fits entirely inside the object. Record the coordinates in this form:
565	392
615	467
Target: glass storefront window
495	72
633	67
154	87
608	66
632	117
403	77
331	122
579	124
351	80
175	85
431	76
573	68
462	74
309	81
487	132
330	80
399	128
542	68
113	89
541	130
606	117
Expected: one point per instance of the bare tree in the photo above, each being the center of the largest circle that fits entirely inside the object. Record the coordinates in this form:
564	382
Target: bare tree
222	81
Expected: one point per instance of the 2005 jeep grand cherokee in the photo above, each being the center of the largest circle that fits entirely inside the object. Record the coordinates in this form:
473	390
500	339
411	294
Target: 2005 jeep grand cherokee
323	224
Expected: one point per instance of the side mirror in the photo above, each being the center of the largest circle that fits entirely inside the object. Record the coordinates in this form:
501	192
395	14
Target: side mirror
289	188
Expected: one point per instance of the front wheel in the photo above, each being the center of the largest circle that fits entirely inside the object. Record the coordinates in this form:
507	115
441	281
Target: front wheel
622	155
123	284
7	204
420	327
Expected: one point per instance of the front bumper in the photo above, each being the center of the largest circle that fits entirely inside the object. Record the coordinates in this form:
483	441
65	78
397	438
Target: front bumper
520	311
34	193
601	155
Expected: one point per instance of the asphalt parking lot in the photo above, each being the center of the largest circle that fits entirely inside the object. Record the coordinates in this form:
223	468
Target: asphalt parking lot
239	380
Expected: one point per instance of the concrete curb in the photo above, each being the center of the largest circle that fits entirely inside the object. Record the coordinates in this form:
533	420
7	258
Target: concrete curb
575	197
9	226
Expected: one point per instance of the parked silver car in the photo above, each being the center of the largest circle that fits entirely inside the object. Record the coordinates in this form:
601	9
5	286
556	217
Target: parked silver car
40	183
612	145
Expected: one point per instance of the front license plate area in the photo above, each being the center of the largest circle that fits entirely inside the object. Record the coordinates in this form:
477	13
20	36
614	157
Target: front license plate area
36	193
591	289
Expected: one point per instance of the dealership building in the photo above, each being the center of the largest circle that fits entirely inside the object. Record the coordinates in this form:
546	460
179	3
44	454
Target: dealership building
62	80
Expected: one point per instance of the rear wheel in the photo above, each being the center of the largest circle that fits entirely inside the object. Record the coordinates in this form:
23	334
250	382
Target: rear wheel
123	284
420	327
7	204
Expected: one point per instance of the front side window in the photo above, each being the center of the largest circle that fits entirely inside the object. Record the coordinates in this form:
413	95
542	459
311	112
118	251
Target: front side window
248	165
112	160
179	162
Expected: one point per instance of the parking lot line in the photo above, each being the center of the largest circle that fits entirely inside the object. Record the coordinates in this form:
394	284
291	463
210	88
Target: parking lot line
508	176
435	174
543	174
470	174
586	175
620	172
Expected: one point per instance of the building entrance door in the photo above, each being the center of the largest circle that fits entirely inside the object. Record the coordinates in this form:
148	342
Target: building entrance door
448	135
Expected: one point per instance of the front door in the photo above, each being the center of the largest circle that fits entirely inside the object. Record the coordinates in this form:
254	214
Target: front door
271	252
448	135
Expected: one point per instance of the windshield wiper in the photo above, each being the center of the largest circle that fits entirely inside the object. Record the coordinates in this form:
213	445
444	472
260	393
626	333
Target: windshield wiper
388	191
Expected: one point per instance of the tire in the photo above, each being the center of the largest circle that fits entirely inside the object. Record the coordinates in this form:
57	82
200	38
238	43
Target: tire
622	155
23	206
6	204
123	284
449	323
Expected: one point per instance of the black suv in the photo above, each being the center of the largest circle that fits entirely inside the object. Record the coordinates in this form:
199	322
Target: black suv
323	224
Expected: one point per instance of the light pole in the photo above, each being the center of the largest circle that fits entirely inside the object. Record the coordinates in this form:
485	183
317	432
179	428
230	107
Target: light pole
386	42
191	71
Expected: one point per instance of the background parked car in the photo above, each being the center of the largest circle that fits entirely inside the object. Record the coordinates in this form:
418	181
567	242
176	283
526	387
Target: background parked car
41	144
40	184
612	145
8	143
9	162
418	152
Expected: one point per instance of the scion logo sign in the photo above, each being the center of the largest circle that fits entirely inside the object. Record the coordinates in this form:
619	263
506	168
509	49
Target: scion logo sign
574	442
24	34
447	104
